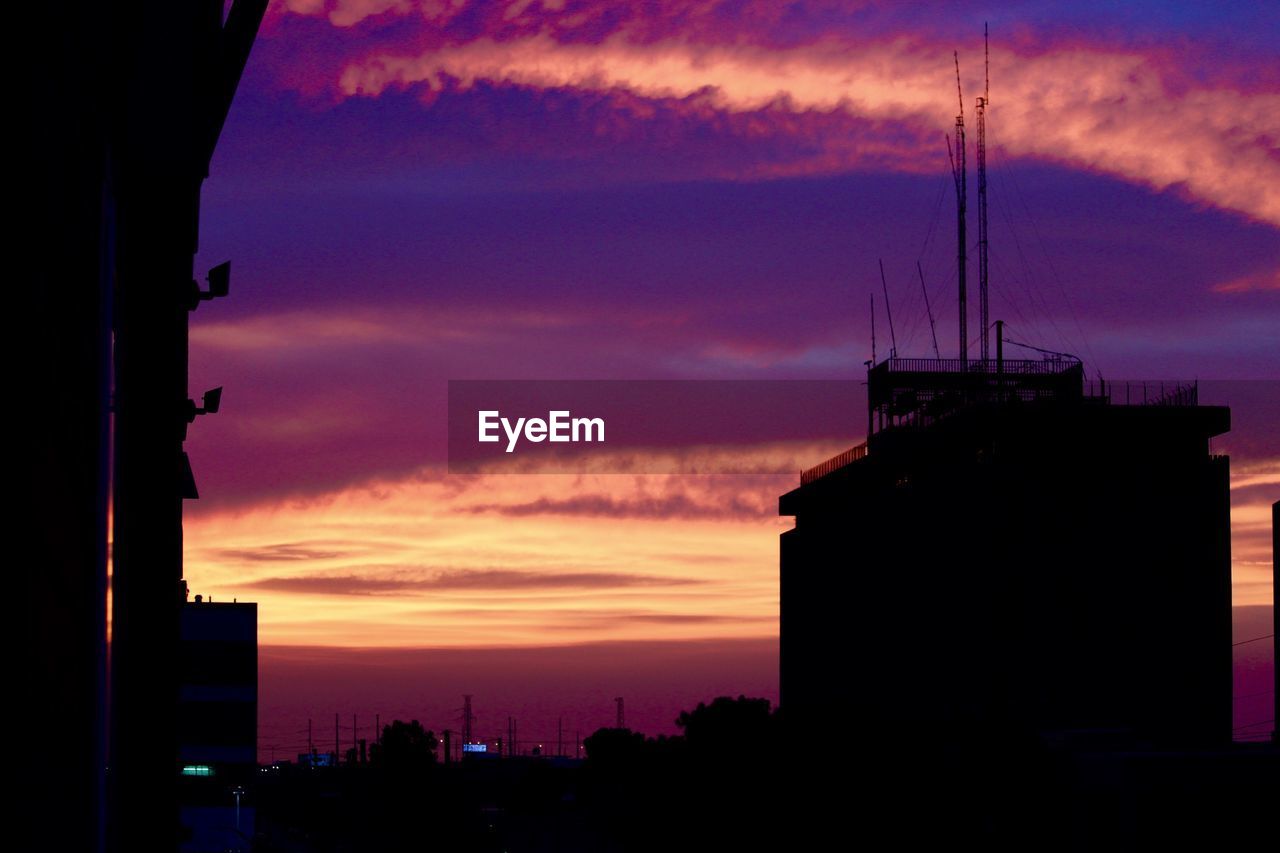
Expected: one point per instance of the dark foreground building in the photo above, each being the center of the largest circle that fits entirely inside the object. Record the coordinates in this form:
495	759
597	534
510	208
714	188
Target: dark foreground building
1014	552
217	724
1007	616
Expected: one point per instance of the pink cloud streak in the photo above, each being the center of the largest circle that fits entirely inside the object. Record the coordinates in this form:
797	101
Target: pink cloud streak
1138	114
1104	111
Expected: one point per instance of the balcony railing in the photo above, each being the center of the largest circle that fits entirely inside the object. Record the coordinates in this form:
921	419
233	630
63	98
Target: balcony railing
1012	367
822	469
1148	392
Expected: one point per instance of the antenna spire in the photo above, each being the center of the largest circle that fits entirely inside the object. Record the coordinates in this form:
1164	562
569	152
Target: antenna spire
983	103
959	173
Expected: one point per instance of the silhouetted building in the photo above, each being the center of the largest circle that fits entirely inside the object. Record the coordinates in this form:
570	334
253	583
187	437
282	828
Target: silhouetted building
1013	552
217	723
61	200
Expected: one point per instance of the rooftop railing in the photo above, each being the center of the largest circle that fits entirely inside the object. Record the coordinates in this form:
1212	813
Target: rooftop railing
1145	392
1166	392
822	469
1011	366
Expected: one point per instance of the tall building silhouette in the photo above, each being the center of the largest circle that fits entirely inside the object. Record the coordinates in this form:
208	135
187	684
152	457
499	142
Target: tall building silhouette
115	141
1014	552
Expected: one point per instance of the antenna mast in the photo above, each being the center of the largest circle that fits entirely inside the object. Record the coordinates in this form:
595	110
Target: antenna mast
959	172
893	339
933	330
873	330
467	719
983	103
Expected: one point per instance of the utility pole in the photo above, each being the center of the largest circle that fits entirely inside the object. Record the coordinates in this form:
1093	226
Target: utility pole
337	754
622	718
560	737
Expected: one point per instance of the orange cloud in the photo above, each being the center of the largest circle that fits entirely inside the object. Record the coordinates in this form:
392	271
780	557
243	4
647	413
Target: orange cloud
509	560
1109	111
1254	281
439	561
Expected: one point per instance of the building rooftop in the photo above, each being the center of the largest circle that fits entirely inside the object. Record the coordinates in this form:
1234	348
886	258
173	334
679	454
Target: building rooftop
914	393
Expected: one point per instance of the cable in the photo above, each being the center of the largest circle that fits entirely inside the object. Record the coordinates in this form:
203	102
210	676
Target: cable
1251	725
1253	640
1045	351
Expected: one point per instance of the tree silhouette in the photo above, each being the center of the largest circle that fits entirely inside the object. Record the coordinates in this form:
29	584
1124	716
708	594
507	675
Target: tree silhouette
729	729
404	745
615	747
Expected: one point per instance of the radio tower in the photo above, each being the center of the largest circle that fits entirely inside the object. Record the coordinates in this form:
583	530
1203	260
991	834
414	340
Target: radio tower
983	103
467	718
622	718
959	172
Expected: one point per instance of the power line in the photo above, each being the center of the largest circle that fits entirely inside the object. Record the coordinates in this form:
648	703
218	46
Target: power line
1251	725
1253	640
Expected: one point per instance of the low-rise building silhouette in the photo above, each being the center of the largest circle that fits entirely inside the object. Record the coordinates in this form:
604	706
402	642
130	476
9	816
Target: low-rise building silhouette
217	723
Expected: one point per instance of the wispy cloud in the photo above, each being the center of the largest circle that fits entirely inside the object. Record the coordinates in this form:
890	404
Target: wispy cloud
1131	110
461	579
667	506
1261	280
279	553
1109	112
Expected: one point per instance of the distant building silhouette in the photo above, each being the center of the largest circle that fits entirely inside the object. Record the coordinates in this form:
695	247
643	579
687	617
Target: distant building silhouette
217	723
1017	551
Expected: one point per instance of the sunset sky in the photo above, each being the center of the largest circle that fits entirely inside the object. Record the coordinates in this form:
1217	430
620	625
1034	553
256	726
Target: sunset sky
413	192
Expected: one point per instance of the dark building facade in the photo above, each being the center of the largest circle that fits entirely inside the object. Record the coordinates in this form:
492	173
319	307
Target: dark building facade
114	140
217	723
1014	552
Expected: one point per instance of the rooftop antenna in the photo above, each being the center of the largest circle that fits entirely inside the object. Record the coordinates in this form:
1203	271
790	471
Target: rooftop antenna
959	173
873	329
933	330
893	339
983	103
